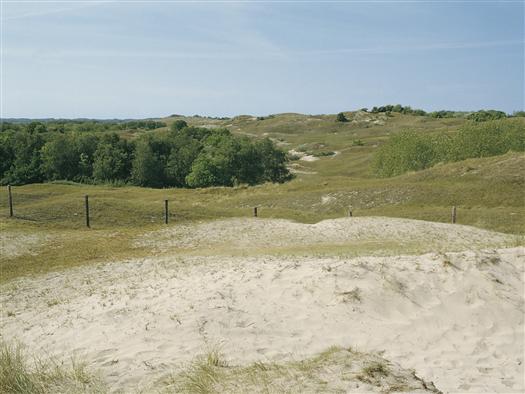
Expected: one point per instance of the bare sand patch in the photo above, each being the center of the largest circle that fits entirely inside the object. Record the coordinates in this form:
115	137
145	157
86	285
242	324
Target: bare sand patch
302	155
14	244
456	318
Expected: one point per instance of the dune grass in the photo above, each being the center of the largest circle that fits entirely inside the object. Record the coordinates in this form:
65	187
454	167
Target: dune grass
335	370
20	374
488	192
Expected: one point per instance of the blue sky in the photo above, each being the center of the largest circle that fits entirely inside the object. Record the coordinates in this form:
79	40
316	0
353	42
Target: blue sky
155	58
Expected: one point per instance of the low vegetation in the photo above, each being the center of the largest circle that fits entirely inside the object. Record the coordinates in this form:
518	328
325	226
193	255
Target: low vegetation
21	375
334	370
488	191
414	151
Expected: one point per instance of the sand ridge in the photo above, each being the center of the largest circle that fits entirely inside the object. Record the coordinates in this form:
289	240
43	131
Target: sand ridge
260	233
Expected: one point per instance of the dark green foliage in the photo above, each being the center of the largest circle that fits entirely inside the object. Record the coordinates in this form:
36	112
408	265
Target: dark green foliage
227	160
178	125
142	124
399	109
181	156
146	168
273	161
442	114
184	151
218	163
483	116
412	151
341	117
60	157
112	159
22	162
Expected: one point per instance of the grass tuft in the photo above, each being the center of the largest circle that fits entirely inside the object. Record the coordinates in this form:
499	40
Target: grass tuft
18	375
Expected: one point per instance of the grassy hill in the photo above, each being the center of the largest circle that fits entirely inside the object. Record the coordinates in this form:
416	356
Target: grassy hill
331	161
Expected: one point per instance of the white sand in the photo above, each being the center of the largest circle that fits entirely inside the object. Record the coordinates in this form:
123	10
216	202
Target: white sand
456	318
303	156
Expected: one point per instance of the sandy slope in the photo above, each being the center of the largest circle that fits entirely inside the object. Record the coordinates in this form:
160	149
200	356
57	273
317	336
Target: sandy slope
456	318
261	234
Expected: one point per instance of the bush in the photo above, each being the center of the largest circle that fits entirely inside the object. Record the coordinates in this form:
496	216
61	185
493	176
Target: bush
483	116
412	151
178	125
341	117
406	151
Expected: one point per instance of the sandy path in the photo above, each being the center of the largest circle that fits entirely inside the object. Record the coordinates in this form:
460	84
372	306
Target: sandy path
457	319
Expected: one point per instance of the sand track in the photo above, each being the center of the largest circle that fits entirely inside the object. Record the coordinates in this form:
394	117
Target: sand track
456	318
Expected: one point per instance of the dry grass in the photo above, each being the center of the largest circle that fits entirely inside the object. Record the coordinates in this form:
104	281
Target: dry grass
20	375
334	370
488	193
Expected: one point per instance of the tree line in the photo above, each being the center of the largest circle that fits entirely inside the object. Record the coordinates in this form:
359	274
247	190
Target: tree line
66	125
182	156
478	116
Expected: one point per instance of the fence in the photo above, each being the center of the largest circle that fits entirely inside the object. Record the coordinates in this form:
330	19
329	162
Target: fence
166	212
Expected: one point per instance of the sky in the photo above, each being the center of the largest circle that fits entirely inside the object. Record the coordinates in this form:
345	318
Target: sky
137	59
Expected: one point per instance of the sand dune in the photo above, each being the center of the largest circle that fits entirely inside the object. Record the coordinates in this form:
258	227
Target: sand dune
455	318
262	234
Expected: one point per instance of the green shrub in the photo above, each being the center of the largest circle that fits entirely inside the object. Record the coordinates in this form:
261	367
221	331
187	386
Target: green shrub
413	151
341	117
406	151
483	116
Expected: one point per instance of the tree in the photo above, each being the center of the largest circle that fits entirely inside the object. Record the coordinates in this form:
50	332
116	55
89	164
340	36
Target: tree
203	173
111	160
273	161
341	117
179	124
60	158
146	170
26	164
217	164
184	152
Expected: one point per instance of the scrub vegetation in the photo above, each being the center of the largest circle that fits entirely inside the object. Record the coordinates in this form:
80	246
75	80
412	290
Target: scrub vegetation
181	157
488	188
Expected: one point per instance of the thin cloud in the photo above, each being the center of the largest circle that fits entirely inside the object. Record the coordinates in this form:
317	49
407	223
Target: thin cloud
51	11
412	48
250	53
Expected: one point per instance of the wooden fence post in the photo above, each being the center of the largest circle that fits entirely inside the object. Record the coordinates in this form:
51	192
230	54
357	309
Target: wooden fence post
10	198
86	204
454	214
166	212
349	213
255	212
